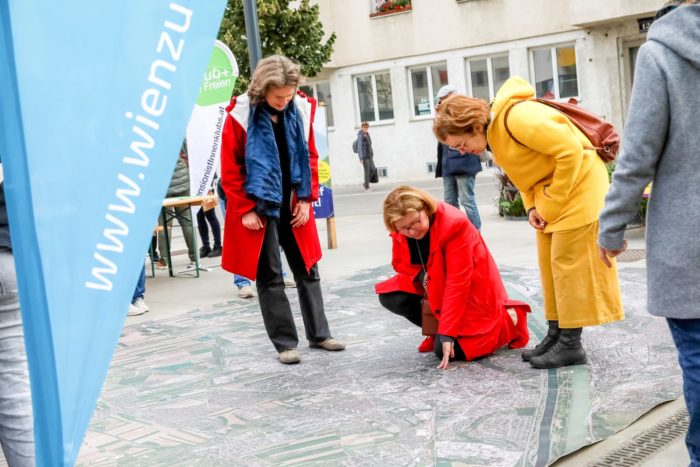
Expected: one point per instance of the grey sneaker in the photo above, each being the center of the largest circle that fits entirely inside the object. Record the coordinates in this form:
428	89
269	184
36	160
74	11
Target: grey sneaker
135	311
289	283
289	356
330	344
245	292
139	303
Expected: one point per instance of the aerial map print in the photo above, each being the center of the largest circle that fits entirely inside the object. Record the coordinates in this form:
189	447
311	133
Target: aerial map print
206	389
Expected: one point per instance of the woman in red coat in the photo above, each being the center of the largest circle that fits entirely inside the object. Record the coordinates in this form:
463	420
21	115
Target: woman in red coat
438	252
269	166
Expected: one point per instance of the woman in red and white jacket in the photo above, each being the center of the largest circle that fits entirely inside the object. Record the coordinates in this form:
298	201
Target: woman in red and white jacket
269	169
437	252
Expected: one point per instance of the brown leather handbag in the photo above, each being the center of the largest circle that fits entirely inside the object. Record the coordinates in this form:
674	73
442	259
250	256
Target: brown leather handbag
429	323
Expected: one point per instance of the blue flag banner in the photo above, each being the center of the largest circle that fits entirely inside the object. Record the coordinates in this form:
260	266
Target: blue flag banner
95	101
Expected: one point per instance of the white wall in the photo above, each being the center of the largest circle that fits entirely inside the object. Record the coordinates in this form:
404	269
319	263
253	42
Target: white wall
450	31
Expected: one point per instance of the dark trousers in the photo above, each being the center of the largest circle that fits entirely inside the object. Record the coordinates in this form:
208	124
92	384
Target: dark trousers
367	166
408	305
210	217
275	307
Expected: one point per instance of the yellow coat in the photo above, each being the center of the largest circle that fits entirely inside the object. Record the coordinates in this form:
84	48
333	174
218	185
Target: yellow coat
554	173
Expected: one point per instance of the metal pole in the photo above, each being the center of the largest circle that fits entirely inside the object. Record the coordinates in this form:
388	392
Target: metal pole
250	13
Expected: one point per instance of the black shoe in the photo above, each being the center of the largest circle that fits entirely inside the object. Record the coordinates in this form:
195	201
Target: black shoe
216	251
567	351
204	251
547	343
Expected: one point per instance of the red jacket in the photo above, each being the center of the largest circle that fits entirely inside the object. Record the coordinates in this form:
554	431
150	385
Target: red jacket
242	246
465	289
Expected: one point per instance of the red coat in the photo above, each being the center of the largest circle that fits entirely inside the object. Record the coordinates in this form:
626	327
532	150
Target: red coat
465	289
242	246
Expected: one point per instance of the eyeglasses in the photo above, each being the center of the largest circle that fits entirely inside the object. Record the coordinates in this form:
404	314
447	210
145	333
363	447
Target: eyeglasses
413	226
462	146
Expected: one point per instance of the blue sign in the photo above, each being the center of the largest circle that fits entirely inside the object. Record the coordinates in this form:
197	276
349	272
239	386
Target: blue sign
95	101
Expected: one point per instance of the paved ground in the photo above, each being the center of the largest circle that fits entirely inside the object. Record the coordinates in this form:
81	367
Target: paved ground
363	245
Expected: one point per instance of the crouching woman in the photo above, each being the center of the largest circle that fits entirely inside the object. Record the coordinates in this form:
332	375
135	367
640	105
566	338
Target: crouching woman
439	256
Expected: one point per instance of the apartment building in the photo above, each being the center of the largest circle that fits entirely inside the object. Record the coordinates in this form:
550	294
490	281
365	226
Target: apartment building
391	57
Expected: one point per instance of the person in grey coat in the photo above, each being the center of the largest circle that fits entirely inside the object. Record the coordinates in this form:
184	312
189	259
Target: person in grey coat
662	143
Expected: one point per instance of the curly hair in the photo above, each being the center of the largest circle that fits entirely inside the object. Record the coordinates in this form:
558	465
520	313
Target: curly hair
273	71
405	199
459	114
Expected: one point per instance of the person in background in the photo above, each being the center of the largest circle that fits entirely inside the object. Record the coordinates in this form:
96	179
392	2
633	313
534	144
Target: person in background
16	421
365	153
138	305
458	172
207	213
179	186
661	144
438	254
270	177
563	184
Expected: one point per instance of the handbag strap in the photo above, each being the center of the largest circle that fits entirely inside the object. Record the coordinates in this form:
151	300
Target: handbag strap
425	271
505	121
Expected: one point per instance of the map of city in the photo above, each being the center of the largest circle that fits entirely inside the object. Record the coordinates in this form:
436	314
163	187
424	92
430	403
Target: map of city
206	388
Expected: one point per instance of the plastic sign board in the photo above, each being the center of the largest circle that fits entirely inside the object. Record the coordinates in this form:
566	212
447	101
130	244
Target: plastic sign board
208	117
323	208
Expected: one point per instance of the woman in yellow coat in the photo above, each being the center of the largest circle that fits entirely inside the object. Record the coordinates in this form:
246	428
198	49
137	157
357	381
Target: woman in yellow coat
563	186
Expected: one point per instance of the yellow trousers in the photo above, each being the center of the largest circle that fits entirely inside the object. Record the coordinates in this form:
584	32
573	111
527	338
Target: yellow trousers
579	289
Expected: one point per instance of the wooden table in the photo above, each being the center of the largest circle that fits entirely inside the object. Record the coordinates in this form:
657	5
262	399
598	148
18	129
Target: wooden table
167	213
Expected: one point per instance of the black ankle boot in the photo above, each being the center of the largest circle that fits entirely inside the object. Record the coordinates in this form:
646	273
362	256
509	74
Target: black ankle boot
567	351
549	340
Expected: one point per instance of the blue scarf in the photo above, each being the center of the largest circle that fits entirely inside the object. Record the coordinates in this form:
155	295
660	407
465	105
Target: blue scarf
262	161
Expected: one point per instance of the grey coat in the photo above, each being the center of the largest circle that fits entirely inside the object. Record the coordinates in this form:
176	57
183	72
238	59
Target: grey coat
662	143
364	146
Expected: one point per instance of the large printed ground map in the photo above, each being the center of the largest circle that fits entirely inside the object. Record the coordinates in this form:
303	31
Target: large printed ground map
206	389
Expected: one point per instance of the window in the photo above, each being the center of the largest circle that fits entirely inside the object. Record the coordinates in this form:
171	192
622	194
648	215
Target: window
321	91
374	99
425	82
487	75
388	7
554	70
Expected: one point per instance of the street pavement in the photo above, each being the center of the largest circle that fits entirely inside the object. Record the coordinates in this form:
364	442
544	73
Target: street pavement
363	243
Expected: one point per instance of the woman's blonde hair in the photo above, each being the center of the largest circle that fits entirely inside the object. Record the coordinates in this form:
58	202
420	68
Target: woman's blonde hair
406	199
459	114
273	71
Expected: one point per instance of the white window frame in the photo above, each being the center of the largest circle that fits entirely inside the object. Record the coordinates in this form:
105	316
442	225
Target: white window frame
489	72
553	51
312	85
431	93
375	98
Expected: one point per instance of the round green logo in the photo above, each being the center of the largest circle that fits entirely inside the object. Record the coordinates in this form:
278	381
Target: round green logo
219	79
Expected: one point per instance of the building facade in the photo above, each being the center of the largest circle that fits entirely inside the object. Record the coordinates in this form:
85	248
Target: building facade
391	58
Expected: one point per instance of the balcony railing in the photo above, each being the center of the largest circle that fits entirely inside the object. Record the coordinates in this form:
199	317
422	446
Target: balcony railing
389	7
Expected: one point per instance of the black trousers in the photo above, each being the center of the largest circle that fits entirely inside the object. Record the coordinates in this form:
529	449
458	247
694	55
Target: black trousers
367	166
275	307
210	216
408	305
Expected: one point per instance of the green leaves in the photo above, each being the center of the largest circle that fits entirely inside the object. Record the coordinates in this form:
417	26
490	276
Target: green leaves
294	32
